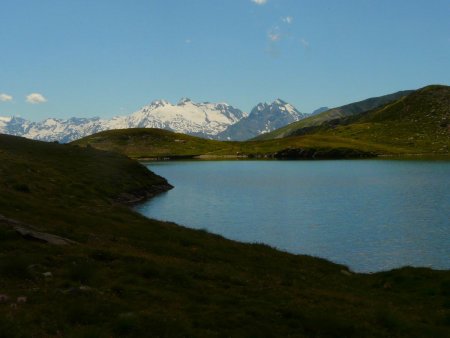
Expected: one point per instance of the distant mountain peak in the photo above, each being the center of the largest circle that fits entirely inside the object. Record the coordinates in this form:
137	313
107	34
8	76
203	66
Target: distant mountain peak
259	107
184	100
263	118
159	103
279	102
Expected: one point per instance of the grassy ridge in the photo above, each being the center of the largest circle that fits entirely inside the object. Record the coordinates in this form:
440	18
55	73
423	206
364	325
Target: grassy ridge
418	123
142	143
130	276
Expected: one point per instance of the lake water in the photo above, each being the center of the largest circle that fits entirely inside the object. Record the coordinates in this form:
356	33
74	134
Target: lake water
370	215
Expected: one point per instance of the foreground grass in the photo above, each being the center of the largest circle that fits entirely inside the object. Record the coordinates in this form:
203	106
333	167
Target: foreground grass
131	276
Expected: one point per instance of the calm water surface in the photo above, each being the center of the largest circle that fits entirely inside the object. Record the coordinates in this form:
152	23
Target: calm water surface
371	215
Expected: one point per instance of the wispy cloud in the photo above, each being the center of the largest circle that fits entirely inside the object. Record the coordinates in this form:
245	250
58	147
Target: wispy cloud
304	42
259	2
5	97
274	34
288	19
36	98
188	41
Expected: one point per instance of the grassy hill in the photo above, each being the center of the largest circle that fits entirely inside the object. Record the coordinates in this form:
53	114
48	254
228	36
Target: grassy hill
152	142
120	274
142	143
335	113
419	122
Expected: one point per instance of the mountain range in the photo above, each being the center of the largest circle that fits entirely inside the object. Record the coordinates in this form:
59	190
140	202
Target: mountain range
264	118
208	120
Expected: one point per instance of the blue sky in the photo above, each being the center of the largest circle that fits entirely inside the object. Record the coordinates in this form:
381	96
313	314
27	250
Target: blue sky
110	57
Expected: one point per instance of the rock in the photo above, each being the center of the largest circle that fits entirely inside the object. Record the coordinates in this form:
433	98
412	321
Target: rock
312	153
85	288
3	298
387	286
47	275
346	272
28	231
22	299
42	236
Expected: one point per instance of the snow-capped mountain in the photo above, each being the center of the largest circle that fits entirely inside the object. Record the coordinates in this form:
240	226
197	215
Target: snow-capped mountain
51	129
262	119
210	120
200	119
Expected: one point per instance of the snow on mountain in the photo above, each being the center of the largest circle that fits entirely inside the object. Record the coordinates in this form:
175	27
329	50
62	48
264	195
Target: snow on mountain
210	120
262	119
200	119
4	120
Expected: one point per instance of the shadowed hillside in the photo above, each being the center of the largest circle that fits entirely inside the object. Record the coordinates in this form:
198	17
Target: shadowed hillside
114	273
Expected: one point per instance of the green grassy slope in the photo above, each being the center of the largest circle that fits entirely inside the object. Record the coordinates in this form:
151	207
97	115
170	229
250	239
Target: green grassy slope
151	143
335	113
419	122
156	143
130	276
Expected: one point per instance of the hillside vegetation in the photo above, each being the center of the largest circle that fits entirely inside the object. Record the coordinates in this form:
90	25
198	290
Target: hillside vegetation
417	123
118	274
347	110
143	143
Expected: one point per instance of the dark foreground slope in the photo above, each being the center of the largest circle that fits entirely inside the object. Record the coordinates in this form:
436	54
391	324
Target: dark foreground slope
119	274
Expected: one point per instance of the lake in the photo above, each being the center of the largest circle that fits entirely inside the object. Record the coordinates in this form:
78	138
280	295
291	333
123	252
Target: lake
370	215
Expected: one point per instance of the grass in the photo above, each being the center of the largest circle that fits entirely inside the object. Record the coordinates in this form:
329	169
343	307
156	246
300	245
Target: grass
131	276
146	143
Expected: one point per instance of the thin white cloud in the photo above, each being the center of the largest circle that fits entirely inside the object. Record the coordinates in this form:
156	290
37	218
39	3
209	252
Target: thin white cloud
259	2
188	41
274	34
304	42
36	98
5	97
288	19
